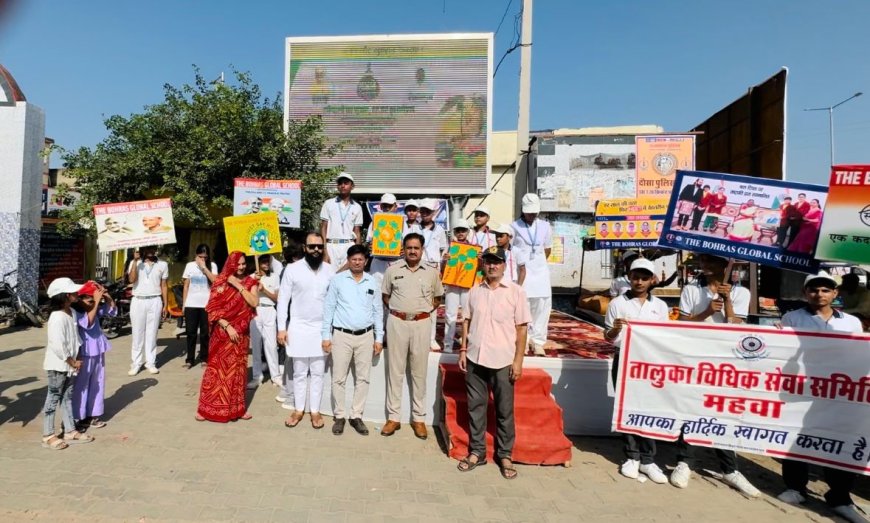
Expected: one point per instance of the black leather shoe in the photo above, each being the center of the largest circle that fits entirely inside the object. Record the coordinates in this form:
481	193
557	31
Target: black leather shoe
338	426
359	426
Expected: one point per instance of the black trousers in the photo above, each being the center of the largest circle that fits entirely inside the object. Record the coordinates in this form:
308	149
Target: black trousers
791	229
682	220
478	381
697	214
796	475
727	458
196	319
637	448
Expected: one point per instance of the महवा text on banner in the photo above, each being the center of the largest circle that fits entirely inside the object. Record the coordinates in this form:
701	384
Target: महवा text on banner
783	393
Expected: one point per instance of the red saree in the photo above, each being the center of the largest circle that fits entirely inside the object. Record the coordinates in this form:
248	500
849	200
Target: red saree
222	393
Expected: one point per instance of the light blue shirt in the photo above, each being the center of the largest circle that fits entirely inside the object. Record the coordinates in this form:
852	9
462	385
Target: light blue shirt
353	305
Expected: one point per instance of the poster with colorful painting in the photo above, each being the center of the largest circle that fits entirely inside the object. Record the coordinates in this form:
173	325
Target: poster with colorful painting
770	222
629	223
845	231
282	197
387	234
658	158
253	233
134	224
461	266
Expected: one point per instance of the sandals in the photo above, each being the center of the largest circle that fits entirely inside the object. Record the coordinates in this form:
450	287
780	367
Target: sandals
508	471
96	423
76	437
197	417
246	417
54	443
187	366
466	465
292	421
317	422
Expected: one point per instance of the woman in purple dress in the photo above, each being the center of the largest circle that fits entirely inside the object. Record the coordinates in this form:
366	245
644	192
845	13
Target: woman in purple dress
89	389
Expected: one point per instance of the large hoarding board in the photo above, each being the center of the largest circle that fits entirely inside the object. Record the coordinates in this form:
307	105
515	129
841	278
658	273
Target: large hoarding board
410	113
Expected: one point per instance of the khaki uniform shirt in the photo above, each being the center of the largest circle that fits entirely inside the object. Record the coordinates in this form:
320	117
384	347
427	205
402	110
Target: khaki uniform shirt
411	292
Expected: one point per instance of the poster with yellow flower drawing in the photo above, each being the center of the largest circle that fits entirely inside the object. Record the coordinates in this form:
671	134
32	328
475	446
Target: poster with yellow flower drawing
461	266
387	234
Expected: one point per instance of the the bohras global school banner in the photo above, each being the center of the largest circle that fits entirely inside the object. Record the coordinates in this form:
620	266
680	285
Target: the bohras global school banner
253	234
629	223
845	233
134	224
282	197
781	393
770	222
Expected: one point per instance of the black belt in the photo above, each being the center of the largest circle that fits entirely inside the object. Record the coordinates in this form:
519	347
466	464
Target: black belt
353	333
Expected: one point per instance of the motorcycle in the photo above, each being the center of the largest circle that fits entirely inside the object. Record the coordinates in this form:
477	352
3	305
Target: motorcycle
13	307
122	295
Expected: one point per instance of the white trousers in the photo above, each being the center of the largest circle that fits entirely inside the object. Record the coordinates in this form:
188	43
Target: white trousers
303	387
337	253
145	320
540	309
454	298
264	337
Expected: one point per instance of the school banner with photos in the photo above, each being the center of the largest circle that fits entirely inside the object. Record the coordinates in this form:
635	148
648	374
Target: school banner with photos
781	393
282	197
770	222
627	223
253	234
845	233
134	224
658	158
461	268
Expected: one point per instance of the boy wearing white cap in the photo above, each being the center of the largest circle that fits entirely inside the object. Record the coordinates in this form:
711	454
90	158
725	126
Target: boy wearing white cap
455	297
412	217
482	234
340	222
380	263
434	245
515	266
533	241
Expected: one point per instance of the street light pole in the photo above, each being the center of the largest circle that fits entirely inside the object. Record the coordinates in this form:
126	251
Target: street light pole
830	110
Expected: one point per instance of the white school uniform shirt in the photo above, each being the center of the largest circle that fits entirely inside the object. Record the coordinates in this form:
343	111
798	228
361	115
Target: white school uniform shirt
269	282
529	242
63	341
483	239
513	262
341	218
695	299
806	320
619	286
410	227
305	290
627	307
434	243
198	289
148	278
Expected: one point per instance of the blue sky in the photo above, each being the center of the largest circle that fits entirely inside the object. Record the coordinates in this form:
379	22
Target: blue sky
671	63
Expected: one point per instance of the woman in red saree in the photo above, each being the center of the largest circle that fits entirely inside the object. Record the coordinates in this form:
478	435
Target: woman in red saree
231	306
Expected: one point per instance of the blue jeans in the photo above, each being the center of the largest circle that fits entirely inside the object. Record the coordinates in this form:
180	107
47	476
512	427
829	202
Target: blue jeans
59	392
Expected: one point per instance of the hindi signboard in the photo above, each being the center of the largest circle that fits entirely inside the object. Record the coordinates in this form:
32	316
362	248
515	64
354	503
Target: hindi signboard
770	222
629	223
461	268
845	232
253	234
781	393
134	224
282	197
387	229
658	158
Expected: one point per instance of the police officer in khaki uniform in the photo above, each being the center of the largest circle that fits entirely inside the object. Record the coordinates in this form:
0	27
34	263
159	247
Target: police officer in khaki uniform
413	292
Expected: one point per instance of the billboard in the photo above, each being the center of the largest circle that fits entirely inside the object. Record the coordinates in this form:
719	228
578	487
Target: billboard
410	113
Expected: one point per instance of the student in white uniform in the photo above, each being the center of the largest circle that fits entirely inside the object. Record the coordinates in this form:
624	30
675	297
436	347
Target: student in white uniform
304	286
482	234
148	277
515	266
380	263
455	297
434	246
340	222
533	241
264	326
412	217
621	284
819	291
636	303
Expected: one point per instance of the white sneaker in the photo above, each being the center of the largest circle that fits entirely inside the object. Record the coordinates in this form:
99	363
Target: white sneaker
654	473
434	346
792	497
630	468
134	370
280	398
851	513
152	369
681	475
539	350
277	382
739	482
288	406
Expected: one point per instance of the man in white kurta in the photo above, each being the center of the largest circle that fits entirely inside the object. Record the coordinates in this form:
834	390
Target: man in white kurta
532	242
304	286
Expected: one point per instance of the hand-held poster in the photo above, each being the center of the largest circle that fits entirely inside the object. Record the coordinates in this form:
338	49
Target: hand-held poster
461	267
134	224
658	158
282	197
387	231
253	234
770	222
629	223
845	233
782	393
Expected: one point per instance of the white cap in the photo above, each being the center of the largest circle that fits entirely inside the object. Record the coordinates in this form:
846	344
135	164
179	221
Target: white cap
531	203
483	209
821	277
429	203
642	264
502	228
388	198
343	174
461	223
412	203
61	286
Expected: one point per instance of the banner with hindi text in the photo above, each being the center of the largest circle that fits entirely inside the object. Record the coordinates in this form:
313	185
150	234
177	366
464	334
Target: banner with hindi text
134	224
629	223
658	158
845	233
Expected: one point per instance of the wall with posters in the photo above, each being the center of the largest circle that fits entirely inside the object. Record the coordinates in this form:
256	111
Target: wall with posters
60	256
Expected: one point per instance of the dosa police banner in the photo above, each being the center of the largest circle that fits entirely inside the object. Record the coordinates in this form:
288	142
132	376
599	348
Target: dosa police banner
782	393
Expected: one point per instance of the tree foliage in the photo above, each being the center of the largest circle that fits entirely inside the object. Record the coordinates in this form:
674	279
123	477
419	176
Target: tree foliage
190	147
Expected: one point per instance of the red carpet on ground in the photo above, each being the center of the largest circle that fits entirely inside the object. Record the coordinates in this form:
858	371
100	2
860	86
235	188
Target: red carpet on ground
540	439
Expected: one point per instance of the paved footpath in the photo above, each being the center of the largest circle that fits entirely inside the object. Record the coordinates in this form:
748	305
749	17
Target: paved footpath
153	462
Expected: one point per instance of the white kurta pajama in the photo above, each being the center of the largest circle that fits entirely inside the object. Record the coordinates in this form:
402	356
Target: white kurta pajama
529	242
305	290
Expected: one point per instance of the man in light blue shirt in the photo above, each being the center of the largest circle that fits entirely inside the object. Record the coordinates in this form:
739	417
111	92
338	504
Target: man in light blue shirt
353	329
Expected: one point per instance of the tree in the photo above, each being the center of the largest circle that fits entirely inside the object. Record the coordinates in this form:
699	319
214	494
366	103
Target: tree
191	146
